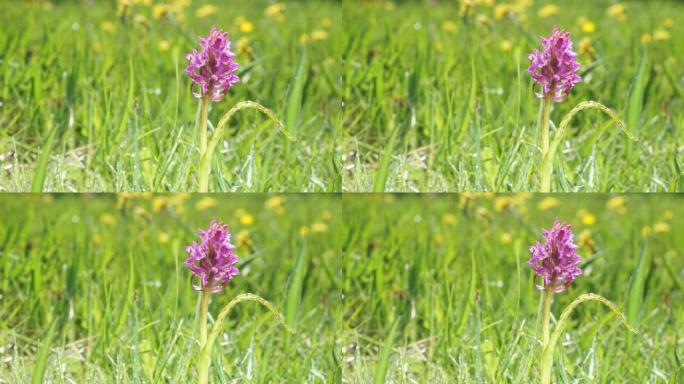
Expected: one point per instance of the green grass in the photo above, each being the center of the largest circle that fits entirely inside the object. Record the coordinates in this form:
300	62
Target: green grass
87	109
93	290
435	109
450	273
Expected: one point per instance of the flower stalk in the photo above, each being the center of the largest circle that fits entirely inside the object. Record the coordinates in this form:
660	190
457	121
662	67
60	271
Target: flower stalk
555	261
212	261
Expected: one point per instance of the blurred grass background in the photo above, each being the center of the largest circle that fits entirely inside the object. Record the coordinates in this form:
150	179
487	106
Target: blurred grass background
93	96
93	289
438	98
437	288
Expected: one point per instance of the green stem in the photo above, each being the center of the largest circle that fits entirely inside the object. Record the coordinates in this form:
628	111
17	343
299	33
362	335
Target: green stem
206	157
547	156
203	363
546	327
202	119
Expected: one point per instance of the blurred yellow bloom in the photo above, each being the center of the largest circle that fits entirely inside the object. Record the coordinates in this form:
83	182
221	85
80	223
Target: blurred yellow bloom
548	11
466	6
506	238
588	27
243	47
97	47
327	22
326	215
588	219
205	203
438	239
319	228
585	46
107	26
390	6
646	231
501	11
482	213
97	239
482	20
449	26
617	204
319	35
107	219
141	213
140	19
274	202
617	11
646	38
160	10
246	27
304	231
661	227
246	219
164	45
438	47
668	215
243	239
448	219
506	45
276	11
586	239
661	34
304	38
548	203
669	22
206	10
163	238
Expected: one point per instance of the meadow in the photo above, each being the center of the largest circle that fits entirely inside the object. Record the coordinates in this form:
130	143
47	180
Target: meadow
93	96
93	288
438	98
437	288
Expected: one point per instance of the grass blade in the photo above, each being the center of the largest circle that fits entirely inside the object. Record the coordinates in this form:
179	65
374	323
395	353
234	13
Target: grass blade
470	298
380	181
38	181
39	368
636	94
383	360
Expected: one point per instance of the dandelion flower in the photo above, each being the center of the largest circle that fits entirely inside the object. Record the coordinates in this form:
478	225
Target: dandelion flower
213	67
206	10
555	67
661	34
555	260
548	10
213	259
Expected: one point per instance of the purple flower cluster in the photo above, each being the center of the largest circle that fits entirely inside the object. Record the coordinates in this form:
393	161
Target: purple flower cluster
213	260
555	67
556	259
213	68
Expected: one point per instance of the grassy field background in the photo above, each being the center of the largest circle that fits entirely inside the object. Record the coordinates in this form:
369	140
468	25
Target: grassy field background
437	288
93	289
437	97
93	98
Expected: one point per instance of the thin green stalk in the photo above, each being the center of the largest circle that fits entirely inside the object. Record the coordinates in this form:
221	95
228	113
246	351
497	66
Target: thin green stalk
203	364
202	118
205	349
547	354
205	160
546	316
544	122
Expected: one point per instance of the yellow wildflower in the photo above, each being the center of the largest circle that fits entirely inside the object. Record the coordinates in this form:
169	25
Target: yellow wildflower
243	239
586	239
326	215
246	219
646	231
617	11
319	35
304	38
163	238
160	10
448	219
107	26
243	47
319	228
617	204
276	11
506	45
548	11
586	47
646	38
588	26
506	238
661	35
246	26
449	26
327	22
661	227
206	10
304	231
107	219
164	45
669	22
205	203
668	215
548	203
586	217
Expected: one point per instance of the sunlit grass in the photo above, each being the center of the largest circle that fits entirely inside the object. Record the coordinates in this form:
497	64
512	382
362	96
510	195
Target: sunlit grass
109	276
451	273
438	98
95	101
